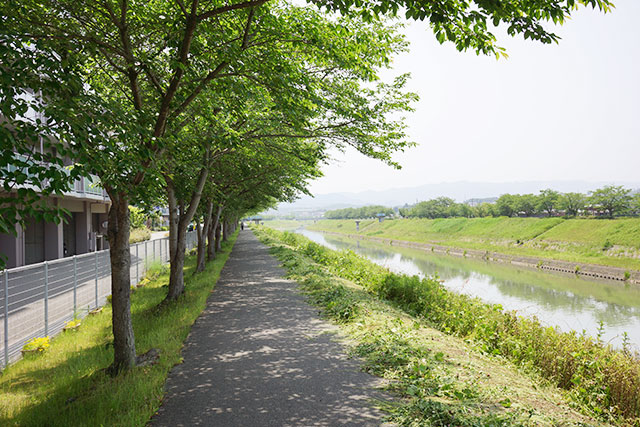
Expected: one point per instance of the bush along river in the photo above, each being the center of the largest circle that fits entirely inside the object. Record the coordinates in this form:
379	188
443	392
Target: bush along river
605	309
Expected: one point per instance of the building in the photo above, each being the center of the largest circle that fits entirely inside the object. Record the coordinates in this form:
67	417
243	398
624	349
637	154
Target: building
83	230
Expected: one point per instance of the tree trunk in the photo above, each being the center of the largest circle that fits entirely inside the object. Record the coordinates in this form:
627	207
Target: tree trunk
213	236
225	230
211	242
218	239
178	228
202	236
176	273
124	347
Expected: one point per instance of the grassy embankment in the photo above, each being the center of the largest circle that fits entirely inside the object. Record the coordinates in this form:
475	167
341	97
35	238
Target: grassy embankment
429	348
67	384
287	224
595	241
625	297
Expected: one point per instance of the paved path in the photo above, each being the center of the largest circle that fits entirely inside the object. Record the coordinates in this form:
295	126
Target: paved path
259	356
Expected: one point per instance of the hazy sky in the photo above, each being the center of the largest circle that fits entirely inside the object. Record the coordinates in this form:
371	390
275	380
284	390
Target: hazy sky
550	112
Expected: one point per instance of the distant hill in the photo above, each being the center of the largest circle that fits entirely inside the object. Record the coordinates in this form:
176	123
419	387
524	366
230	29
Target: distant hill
460	191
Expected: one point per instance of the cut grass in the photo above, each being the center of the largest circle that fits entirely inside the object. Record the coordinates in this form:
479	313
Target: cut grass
608	242
67	385
442	380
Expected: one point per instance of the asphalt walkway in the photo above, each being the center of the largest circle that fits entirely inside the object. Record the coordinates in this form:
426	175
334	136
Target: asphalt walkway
260	356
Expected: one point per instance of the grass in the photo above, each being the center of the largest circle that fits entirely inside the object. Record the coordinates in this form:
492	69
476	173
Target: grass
287	224
607	242
610	292
67	384
440	378
601	381
139	235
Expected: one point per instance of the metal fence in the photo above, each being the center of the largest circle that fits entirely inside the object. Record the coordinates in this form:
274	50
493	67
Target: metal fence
38	300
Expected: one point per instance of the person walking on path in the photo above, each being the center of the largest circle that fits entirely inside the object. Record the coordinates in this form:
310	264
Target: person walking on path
260	356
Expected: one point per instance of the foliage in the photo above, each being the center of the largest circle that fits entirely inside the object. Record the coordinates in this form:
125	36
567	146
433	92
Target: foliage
604	380
137	217
548	201
467	24
612	199
606	201
572	203
358	213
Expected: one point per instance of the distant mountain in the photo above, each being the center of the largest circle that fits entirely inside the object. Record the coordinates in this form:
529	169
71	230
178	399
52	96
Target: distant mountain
459	191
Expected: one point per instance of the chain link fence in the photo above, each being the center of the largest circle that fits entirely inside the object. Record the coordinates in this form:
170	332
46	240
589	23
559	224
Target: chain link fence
38	300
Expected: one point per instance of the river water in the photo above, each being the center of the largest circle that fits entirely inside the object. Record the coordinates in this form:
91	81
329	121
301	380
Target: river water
565	301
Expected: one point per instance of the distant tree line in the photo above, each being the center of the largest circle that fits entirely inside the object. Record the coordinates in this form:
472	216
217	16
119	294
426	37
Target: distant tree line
358	213
609	202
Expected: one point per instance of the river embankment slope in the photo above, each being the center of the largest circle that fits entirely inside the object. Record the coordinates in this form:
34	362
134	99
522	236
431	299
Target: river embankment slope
599	248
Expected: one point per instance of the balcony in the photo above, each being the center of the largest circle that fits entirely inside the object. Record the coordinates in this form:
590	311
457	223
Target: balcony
89	187
84	187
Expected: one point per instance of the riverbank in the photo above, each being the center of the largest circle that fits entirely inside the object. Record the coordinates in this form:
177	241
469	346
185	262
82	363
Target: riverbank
600	249
446	354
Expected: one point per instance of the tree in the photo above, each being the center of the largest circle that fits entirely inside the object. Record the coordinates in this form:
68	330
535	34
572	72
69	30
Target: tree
506	205
527	204
146	63
264	108
548	201
467	24
636	203
612	199
35	135
572	203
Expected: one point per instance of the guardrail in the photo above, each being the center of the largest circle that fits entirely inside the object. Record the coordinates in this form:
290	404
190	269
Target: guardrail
39	299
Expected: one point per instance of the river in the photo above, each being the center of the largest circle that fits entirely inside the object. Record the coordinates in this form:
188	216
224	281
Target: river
560	300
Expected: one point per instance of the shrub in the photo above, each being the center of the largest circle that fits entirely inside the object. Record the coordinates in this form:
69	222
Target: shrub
37	345
139	235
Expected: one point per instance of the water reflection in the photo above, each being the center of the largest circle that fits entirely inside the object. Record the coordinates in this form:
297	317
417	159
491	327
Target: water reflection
567	301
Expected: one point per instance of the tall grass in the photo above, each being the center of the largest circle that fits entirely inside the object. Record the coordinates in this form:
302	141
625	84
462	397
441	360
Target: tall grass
603	380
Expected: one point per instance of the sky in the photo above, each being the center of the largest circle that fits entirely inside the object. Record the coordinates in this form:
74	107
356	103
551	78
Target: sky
569	111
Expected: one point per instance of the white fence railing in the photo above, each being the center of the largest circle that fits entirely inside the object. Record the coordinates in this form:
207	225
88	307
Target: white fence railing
37	300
